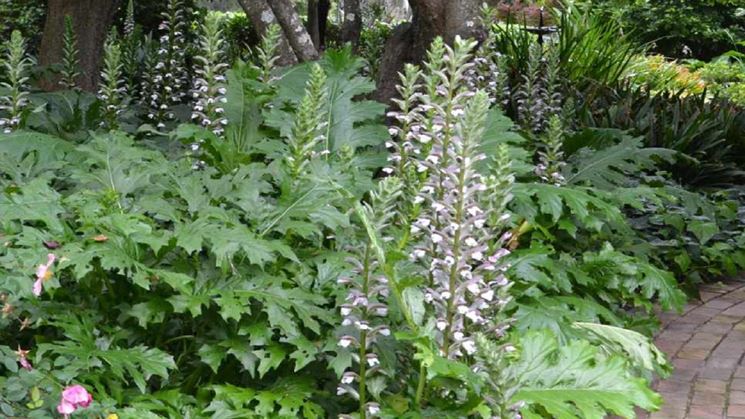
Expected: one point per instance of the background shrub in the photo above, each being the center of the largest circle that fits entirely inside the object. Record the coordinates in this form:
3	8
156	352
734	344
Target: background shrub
682	28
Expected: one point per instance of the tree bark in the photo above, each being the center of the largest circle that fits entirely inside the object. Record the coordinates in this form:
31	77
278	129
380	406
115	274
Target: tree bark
313	26
294	30
262	16
324	6
91	20
352	27
409	42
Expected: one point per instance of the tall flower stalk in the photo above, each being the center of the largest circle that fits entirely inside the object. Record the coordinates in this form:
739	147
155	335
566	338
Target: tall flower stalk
170	76
463	255
111	88
539	96
17	65
129	19
550	154
307	130
70	62
530	94
365	311
209	83
458	230
406	143
130	50
268	52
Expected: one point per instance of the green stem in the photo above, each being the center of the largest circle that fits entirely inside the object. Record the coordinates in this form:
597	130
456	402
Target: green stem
363	334
390	274
456	255
421	384
363	372
394	286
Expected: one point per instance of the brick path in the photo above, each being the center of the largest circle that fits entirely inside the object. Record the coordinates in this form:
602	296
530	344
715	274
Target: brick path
706	346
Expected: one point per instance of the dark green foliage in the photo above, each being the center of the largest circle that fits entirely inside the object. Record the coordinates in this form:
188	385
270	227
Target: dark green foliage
147	13
240	36
593	51
710	133
26	16
219	274
174	253
577	380
682	28
371	45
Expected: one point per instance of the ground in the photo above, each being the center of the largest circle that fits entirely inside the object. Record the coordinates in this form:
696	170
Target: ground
706	345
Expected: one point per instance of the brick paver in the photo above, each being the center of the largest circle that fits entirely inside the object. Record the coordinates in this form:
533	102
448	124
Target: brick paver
706	345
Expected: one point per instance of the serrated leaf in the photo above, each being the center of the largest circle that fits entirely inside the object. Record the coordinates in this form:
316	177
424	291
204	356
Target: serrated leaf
571	381
703	230
212	355
269	358
305	351
231	307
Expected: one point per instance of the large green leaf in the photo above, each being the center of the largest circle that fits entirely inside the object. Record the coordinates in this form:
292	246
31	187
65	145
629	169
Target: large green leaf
610	167
575	380
637	347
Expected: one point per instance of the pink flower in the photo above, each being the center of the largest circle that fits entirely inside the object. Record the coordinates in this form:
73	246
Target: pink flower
23	359
43	273
65	408
25	364
77	395
74	398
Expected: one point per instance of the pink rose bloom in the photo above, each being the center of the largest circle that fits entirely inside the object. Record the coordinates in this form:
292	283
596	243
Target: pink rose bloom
65	408
43	273
74	398
77	396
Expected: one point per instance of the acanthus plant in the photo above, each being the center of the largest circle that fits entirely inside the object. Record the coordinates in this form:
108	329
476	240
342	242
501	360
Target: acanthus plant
70	66
267	54
17	66
130	50
170	77
209	81
538	95
112	90
458	215
550	155
365	309
461	253
489	72
405	141
307	129
129	20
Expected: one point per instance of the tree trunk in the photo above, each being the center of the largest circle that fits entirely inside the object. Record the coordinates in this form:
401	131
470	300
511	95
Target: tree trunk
324	6
294	30
352	27
262	16
409	42
314	29
318	15
91	20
